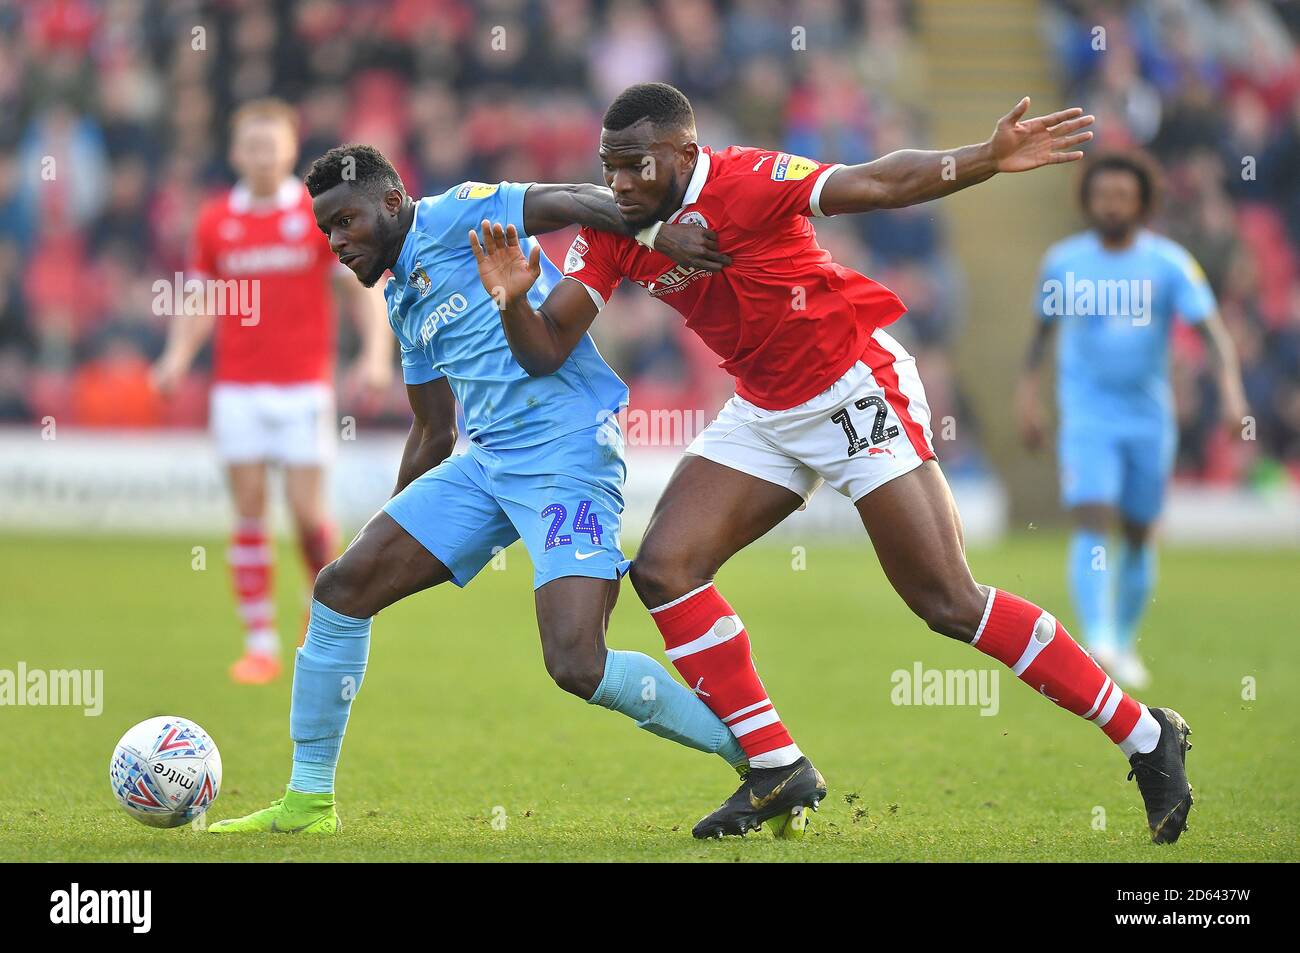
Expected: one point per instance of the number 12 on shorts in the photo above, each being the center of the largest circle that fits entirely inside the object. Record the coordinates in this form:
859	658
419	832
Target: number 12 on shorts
878	432
584	522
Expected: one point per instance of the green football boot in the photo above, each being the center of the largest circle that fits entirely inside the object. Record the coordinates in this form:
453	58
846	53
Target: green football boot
792	826
295	813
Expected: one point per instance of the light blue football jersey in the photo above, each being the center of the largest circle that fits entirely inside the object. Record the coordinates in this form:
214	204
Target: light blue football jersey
1116	310
449	326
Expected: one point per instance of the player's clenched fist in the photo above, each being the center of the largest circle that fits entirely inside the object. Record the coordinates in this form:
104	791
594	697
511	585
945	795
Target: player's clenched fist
505	272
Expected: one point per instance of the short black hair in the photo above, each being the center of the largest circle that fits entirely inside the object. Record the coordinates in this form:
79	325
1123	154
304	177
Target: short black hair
665	106
354	162
1136	164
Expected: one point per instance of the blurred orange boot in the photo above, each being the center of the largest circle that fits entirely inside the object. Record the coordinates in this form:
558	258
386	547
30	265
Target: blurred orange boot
255	668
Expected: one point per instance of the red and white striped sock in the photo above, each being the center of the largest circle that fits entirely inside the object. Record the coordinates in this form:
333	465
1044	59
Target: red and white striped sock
250	569
319	546
707	643
1035	646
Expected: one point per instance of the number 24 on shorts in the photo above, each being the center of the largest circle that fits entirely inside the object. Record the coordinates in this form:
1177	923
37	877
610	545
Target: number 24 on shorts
584	521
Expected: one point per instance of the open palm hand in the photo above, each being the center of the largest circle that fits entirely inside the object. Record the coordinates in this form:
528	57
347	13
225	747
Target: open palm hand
1023	144
505	272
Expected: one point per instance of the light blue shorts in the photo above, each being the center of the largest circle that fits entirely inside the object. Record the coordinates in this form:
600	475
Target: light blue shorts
563	498
1128	470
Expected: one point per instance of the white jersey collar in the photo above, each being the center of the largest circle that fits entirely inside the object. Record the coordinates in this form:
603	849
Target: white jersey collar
696	185
287	195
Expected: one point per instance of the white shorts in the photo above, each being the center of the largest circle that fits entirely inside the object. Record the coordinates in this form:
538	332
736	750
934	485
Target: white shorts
867	428
291	424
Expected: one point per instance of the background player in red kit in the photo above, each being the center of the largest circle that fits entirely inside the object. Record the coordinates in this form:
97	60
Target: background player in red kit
823	394
273	394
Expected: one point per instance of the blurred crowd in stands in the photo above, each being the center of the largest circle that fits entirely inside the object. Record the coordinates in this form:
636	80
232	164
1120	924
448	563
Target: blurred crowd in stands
129	98
1212	90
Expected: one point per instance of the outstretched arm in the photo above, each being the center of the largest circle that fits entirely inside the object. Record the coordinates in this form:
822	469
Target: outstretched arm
912	176
548	208
541	340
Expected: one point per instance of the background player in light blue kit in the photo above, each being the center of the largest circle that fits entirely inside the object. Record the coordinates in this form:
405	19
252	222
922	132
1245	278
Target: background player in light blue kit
1114	292
545	463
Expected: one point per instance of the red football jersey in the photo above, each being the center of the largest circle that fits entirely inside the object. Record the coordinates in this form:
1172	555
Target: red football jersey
786	320
290	339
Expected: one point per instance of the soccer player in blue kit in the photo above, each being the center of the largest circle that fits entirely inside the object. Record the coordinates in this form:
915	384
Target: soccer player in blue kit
1113	292
545	463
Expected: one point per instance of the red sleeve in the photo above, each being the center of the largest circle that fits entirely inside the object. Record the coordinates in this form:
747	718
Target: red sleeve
203	261
770	184
594	260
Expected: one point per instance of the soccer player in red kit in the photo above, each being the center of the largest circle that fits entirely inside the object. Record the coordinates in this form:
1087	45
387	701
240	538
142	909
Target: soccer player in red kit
272	401
823	394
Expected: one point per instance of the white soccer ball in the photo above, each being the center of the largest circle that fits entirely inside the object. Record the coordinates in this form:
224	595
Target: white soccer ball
165	771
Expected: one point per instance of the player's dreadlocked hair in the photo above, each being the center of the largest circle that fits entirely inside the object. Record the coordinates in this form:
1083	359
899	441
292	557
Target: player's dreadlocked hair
663	105
364	165
1136	164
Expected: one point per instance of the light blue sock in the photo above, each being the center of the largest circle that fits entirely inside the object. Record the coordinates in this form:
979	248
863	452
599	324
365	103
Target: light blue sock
1089	569
1137	577
641	688
326	677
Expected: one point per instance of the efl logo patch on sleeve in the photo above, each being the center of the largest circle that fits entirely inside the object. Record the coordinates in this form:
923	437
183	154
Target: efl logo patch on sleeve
475	190
573	261
788	168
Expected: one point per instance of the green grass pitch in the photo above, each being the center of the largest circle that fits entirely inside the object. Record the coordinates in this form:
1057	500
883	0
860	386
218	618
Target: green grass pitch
458	720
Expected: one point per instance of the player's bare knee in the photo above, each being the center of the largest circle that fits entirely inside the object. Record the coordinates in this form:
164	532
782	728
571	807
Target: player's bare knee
341	586
578	673
1094	517
954	613
940	619
659	577
326	588
1136	534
